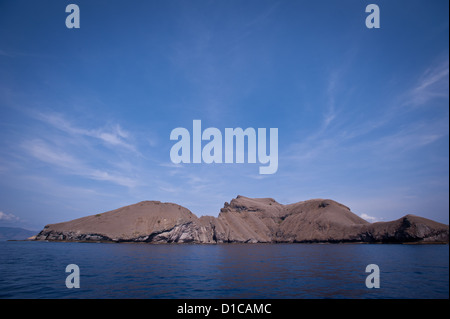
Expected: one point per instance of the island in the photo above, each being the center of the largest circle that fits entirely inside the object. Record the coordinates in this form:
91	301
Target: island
244	220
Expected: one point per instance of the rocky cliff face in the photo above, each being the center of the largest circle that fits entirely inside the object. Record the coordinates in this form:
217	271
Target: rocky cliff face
243	220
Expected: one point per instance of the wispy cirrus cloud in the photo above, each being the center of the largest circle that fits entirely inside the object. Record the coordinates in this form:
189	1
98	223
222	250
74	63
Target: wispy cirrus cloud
122	180
433	83
330	113
75	150
70	164
45	153
114	136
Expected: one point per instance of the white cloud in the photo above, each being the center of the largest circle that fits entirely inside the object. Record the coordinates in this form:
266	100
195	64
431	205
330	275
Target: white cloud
169	189
44	152
433	83
78	153
112	136
8	217
330	114
411	137
115	137
113	178
370	219
171	165
73	165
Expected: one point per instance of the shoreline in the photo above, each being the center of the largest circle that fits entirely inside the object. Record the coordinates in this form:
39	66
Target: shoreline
235	243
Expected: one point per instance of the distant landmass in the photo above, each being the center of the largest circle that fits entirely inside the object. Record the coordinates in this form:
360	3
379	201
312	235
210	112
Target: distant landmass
244	220
15	233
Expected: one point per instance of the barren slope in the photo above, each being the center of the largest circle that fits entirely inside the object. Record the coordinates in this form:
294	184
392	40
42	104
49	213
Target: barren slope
150	221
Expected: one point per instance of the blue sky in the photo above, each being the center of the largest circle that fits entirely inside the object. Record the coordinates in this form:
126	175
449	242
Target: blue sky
86	114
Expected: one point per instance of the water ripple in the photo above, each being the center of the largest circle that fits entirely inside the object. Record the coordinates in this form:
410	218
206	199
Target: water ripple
37	270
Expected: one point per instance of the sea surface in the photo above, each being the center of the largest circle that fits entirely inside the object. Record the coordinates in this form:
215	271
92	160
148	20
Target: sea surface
38	270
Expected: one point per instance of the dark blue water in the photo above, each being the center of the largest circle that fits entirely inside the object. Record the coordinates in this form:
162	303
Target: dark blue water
37	270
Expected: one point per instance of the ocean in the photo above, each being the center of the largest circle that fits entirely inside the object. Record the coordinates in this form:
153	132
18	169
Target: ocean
37	270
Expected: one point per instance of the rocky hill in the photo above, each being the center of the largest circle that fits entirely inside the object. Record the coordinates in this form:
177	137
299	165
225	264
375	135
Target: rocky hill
244	220
148	221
